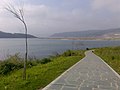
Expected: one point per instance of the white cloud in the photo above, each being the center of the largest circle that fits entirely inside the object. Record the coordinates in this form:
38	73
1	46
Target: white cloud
34	16
111	5
43	20
33	9
3	3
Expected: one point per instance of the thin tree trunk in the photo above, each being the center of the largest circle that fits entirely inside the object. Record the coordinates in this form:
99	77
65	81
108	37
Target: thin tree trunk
26	53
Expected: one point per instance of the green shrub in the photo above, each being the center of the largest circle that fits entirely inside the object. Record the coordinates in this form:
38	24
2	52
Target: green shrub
67	53
11	63
113	57
31	63
14	62
72	53
6	68
45	60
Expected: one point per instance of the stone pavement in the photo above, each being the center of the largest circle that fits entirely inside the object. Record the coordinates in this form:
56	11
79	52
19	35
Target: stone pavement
91	73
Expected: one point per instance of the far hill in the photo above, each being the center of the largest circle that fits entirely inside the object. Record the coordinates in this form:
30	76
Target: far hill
14	35
89	33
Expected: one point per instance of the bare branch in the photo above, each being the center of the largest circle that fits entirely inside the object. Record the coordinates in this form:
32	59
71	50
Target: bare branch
22	14
17	13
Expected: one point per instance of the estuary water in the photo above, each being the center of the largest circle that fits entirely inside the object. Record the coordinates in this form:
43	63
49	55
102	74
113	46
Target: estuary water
40	48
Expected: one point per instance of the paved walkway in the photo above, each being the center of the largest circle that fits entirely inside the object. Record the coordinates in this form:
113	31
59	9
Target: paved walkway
91	73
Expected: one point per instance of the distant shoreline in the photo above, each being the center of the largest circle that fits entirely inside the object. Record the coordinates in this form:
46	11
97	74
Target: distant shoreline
64	38
89	38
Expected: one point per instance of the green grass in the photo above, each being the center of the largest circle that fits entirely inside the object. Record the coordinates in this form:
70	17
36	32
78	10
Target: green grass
111	55
40	75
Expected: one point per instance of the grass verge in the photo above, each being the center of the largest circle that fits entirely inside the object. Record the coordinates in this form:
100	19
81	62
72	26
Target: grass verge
40	75
110	55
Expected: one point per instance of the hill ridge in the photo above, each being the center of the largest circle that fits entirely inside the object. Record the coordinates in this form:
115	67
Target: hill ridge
87	33
14	35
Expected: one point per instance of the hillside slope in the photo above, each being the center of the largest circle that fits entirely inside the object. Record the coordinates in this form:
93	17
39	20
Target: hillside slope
14	35
89	33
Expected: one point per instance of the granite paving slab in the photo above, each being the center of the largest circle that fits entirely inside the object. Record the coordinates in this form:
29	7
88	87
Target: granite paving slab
90	73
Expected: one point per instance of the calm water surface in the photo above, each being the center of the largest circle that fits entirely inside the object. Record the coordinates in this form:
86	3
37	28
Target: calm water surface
43	47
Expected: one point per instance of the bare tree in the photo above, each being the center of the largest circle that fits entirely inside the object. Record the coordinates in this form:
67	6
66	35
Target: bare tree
19	14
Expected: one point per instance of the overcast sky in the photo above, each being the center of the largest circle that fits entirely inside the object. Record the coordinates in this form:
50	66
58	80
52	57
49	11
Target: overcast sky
46	17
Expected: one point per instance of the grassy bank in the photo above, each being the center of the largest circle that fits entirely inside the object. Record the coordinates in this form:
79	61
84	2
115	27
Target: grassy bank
111	55
39	73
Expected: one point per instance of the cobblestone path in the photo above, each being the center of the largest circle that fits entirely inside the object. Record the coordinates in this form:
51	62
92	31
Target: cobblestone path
91	73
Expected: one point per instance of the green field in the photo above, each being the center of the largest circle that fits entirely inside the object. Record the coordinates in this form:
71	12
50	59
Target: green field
111	55
38	75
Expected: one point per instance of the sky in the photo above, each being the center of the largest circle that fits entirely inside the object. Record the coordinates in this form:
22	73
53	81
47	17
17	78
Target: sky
46	17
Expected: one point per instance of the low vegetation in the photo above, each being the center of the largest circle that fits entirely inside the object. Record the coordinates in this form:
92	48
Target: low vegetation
39	72
111	55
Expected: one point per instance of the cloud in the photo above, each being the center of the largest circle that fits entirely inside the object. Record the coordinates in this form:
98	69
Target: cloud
33	9
44	20
111	5
49	20
34	15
